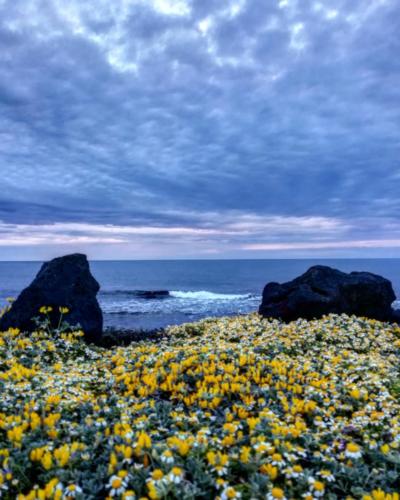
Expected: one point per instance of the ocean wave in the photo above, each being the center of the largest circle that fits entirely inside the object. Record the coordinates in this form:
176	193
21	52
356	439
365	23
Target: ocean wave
141	294
177	294
201	302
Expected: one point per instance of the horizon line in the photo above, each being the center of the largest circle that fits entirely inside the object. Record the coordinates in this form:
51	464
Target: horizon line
203	259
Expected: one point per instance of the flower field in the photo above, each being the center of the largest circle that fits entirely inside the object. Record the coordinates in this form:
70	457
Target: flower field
230	408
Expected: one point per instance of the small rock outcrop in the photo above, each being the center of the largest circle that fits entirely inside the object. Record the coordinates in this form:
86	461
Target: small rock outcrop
322	290
64	281
152	294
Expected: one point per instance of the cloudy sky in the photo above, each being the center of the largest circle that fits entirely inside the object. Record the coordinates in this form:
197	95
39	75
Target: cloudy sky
199	128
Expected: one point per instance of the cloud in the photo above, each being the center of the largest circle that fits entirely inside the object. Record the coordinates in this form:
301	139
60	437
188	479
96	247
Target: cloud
328	245
235	231
186	114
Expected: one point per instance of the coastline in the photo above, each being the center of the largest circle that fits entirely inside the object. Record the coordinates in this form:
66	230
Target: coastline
230	278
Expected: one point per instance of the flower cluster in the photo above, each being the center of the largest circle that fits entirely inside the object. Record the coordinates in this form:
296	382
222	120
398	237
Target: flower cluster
228	408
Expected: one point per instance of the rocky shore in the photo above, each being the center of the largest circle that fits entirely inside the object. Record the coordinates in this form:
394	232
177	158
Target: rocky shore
122	337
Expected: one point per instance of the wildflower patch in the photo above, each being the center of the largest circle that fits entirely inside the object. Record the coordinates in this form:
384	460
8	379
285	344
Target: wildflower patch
228	408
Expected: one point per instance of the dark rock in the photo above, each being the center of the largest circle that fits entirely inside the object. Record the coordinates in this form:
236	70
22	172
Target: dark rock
323	290
152	294
65	281
122	336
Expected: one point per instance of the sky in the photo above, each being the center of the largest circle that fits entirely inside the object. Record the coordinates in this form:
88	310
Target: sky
199	128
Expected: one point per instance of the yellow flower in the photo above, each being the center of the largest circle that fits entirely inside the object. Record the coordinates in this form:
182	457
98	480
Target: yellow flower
62	455
230	493
381	495
385	448
353	450
157	474
245	454
128	495
144	440
50	487
152	490
277	493
269	469
47	460
45	309
318	486
16	434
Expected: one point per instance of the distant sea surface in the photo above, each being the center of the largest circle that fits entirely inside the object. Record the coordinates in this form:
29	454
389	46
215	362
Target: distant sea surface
196	288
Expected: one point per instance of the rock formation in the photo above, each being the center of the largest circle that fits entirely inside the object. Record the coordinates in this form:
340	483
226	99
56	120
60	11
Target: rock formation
66	282
323	290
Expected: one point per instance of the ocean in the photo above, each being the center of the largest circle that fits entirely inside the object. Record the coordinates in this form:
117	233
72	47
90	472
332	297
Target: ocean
190	290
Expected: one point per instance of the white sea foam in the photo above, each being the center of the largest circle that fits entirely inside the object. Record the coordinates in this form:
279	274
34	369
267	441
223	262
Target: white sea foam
206	295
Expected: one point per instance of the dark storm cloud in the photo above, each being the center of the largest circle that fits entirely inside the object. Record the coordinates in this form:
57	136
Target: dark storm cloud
201	113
